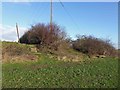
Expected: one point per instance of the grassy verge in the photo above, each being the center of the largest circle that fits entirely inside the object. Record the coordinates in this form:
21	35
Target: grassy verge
13	51
49	73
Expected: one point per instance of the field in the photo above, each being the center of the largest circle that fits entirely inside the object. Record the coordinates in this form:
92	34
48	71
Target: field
50	73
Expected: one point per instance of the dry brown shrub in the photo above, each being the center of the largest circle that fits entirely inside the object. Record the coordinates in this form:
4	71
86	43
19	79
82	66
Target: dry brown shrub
94	46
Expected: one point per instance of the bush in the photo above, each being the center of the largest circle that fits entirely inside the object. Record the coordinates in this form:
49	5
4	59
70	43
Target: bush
94	46
41	35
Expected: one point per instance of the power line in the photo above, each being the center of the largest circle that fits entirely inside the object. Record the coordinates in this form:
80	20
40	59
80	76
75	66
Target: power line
42	9
69	14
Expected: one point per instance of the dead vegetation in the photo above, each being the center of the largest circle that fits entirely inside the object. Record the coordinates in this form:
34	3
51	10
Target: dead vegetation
16	52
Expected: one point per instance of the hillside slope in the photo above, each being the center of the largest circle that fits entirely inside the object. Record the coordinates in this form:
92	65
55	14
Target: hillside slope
24	67
12	51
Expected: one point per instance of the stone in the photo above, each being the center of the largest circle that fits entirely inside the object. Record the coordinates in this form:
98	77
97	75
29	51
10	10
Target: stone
33	49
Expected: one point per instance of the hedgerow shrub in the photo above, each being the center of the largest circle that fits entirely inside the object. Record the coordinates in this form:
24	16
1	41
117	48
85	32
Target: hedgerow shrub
41	35
94	46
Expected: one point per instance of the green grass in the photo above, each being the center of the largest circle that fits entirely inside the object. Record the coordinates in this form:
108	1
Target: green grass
48	73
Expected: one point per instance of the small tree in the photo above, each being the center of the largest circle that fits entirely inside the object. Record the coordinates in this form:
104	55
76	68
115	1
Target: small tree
41	35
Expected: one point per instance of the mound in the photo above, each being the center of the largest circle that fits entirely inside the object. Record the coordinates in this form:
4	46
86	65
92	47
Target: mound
12	51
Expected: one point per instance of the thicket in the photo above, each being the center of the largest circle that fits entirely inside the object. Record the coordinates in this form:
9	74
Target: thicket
45	38
94	46
41	35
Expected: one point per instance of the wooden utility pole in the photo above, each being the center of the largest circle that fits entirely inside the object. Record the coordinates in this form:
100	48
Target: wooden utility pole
17	32
51	16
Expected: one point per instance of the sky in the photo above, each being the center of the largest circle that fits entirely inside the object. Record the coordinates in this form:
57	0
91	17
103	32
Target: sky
99	19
